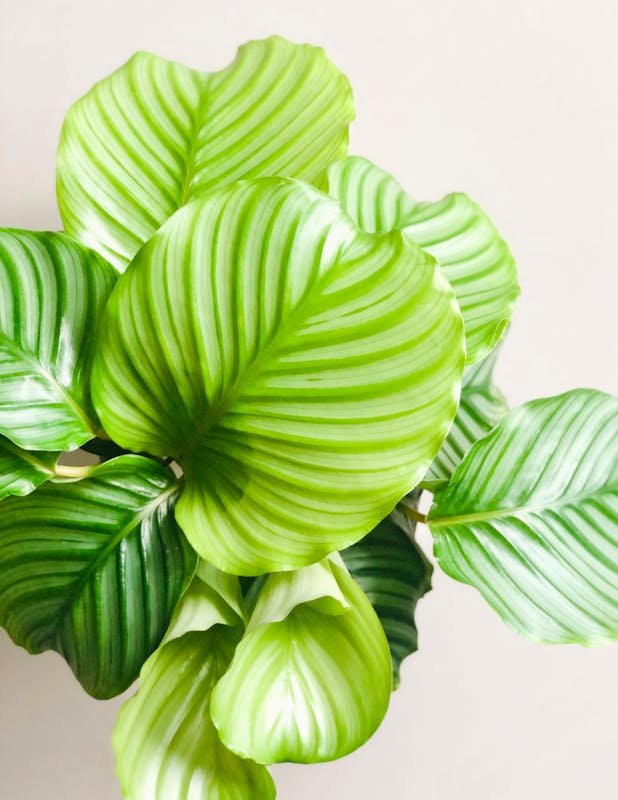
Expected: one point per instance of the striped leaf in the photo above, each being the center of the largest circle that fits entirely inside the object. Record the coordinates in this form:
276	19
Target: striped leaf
155	134
482	405
93	570
392	570
53	293
303	373
21	471
166	744
530	518
307	683
474	257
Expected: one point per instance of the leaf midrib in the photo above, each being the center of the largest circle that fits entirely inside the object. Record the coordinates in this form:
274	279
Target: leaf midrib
105	552
194	132
482	516
213	415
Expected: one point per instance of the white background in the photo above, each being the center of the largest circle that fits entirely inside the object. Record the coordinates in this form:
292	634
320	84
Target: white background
515	103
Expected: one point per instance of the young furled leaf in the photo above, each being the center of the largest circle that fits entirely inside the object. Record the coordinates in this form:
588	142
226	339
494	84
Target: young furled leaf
474	257
166	744
311	679
93	569
302	372
155	134
530	518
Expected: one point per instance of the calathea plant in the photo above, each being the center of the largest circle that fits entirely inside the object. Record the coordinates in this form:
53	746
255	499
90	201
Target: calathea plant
273	350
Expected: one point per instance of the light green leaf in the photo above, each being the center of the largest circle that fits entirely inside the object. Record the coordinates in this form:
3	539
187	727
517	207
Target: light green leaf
303	373
311	687
165	742
21	471
52	295
155	134
530	518
481	407
474	257
93	569
392	570
166	745
212	598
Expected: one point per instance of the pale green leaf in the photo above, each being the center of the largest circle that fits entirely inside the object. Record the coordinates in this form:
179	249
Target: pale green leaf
165	742
530	518
482	405
392	570
155	134
303	373
21	471
311	687
52	295
93	569
212	598
166	745
474	257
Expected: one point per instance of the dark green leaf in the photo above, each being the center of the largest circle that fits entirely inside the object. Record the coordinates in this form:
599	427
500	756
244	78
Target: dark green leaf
93	569
394	573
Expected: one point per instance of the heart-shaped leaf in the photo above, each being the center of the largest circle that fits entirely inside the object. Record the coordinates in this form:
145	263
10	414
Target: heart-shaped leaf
530	518
482	405
308	683
93	569
53	293
302	372
474	257
166	744
394	573
21	471
155	134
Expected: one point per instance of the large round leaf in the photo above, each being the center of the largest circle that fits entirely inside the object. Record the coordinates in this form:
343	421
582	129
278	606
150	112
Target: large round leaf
474	257
166	744
52	295
93	569
302	372
308	683
394	573
481	406
154	134
530	518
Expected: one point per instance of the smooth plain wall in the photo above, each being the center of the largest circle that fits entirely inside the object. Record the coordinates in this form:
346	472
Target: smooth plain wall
512	102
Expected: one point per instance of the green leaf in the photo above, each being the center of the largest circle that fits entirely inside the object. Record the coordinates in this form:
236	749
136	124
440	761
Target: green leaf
21	471
166	745
392	570
303	373
481	407
165	742
474	257
309	686
530	518
52	295
93	569
155	134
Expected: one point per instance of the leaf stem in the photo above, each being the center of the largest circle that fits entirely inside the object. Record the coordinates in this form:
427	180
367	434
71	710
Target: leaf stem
69	471
414	514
